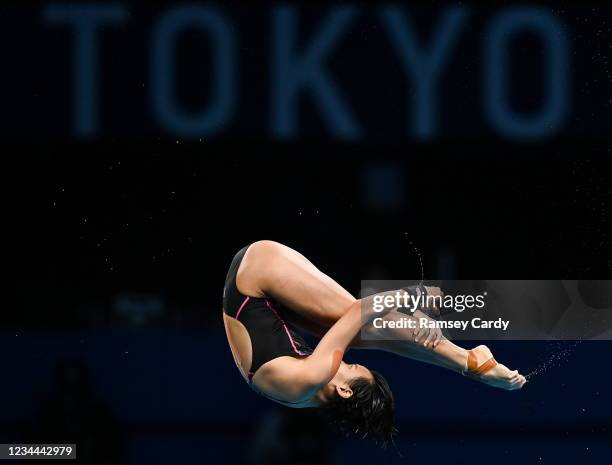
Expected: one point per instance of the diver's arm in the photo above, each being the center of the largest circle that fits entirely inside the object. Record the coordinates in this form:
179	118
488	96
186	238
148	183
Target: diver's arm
324	362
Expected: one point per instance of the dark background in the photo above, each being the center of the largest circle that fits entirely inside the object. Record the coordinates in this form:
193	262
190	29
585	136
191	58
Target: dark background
118	243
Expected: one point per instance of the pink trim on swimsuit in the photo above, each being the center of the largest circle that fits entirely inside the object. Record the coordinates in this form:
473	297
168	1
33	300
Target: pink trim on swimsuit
299	352
242	306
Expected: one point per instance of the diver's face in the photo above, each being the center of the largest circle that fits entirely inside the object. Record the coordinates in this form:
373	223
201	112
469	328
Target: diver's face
350	372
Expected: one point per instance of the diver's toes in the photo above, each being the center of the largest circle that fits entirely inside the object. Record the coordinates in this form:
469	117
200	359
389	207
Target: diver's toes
521	382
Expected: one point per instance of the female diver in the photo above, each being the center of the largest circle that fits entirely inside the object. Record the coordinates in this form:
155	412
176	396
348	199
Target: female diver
270	287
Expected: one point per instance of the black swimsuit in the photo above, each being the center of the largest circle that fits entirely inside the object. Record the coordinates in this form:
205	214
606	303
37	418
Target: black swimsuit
271	337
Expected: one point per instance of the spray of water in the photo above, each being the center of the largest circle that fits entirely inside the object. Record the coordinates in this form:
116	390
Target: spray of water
556	354
420	257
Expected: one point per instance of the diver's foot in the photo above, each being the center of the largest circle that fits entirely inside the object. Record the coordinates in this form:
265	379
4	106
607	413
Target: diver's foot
482	367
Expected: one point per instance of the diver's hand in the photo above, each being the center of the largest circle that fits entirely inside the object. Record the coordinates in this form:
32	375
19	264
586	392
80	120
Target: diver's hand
424	335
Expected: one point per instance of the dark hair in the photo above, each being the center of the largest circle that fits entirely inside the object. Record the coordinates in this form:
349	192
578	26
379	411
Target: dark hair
368	413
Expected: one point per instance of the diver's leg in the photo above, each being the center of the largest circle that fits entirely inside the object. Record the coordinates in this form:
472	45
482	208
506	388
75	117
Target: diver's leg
270	269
